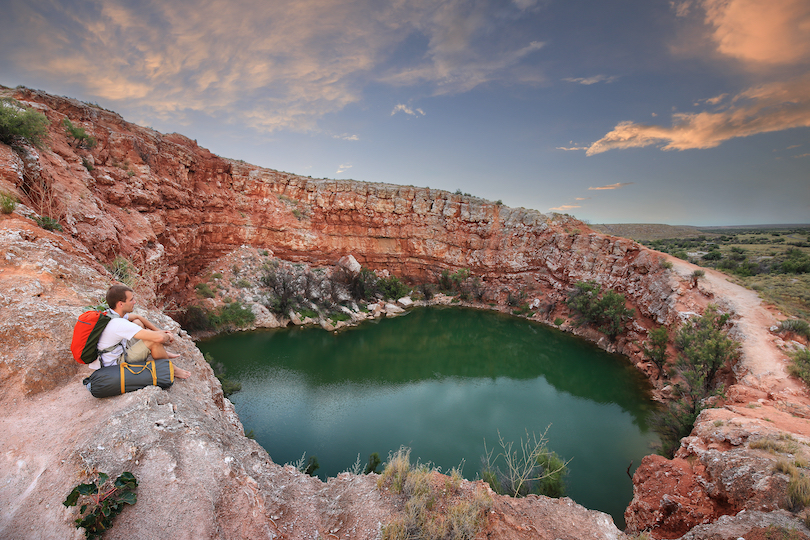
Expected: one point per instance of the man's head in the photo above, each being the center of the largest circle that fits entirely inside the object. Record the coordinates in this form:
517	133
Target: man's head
117	294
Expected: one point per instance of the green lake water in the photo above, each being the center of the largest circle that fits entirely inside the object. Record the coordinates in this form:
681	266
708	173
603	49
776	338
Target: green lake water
441	381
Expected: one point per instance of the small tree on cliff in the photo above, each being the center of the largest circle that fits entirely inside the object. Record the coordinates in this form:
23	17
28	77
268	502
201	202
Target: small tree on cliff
656	351
704	349
607	310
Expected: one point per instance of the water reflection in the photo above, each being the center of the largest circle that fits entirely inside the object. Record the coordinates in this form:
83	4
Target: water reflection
441	380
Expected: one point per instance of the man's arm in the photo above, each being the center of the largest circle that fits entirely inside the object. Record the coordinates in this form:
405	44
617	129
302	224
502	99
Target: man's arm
155	336
143	320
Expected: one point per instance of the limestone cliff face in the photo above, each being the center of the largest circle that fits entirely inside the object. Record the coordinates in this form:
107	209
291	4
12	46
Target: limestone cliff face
169	204
174	208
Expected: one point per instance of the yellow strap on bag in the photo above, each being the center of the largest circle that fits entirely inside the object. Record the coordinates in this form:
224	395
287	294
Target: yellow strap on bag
171	371
150	365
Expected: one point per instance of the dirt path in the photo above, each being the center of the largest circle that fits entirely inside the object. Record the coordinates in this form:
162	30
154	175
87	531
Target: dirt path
763	365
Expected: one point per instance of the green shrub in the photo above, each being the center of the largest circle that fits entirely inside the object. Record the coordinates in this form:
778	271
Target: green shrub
796	262
195	319
123	270
796	326
705	346
8	202
714	255
204	290
373	463
231	316
455	283
522	310
607	310
800	365
48	223
657	351
18	123
393	288
704	349
339	316
80	137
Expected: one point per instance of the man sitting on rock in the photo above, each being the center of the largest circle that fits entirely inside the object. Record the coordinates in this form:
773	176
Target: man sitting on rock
130	337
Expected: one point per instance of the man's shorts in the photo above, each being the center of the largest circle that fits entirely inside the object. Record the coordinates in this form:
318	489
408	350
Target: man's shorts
136	353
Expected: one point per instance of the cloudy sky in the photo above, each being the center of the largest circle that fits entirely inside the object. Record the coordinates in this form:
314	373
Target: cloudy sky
615	111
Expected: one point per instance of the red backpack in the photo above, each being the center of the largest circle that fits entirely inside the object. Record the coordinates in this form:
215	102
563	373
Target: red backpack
86	334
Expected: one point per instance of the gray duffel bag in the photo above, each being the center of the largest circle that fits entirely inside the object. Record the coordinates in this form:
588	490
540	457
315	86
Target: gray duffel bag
124	377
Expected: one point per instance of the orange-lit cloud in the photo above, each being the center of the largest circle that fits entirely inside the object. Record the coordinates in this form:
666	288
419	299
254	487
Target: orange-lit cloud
565	207
758	34
617	185
761	109
269	65
760	31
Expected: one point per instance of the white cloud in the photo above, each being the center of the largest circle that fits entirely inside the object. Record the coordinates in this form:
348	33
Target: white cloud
592	80
346	137
343	168
407	110
571	148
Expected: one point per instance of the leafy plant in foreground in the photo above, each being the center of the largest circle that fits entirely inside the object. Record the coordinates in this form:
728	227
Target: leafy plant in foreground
104	504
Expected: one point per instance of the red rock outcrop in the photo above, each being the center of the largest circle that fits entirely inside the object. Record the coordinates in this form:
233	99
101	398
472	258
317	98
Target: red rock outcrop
174	208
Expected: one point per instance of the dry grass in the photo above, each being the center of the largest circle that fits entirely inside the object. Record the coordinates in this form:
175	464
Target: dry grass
798	490
788	292
784	444
430	511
